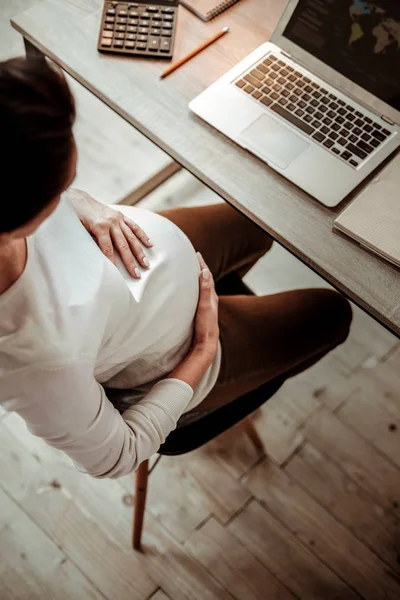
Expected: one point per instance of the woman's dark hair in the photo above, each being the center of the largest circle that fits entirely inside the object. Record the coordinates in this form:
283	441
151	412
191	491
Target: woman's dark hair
37	112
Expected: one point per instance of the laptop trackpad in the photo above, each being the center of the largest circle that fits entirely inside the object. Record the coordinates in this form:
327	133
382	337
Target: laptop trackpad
274	142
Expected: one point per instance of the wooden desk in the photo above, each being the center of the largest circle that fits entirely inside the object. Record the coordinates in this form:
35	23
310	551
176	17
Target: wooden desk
67	33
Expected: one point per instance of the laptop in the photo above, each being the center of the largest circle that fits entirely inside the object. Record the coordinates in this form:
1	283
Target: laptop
320	102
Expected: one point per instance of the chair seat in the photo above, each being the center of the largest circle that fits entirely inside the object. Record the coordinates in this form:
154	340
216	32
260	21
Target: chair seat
196	433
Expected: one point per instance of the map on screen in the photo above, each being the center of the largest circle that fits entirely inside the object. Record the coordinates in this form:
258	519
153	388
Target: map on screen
358	38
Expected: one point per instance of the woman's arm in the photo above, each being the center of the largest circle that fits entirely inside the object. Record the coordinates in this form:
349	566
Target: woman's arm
67	407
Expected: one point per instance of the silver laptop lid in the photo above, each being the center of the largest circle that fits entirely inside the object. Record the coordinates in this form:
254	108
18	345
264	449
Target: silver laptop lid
352	44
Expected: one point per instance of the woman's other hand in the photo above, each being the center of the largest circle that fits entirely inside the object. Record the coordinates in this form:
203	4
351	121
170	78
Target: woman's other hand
113	231
206	331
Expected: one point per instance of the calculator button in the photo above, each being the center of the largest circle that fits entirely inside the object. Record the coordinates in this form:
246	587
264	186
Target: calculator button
138	27
165	45
153	43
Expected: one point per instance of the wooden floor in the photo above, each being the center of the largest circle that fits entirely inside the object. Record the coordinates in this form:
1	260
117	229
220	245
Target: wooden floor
317	519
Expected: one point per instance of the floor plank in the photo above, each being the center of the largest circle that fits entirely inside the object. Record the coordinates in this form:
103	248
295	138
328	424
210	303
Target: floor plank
371	471
234	451
76	512
383	378
159	595
181	506
332	394
234	567
224	495
181	190
364	412
31	565
347	502
322	534
89	520
99	173
297	568
384	383
179	574
278	432
297	399
201	487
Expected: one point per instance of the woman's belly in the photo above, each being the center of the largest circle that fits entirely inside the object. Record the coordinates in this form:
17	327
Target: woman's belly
166	300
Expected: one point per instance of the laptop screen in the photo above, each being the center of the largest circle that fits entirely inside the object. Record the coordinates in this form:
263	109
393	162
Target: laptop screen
358	38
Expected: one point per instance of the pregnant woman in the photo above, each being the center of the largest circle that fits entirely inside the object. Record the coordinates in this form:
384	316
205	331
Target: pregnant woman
94	296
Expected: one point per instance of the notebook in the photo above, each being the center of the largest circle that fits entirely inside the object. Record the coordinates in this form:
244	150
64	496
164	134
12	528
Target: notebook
207	9
373	218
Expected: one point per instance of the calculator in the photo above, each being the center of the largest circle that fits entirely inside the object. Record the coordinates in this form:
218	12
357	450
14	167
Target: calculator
139	28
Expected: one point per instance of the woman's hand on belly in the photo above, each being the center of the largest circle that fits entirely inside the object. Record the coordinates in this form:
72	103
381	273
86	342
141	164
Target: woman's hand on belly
205	341
112	230
206	329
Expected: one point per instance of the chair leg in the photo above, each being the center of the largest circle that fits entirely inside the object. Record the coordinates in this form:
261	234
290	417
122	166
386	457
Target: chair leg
141	478
248	426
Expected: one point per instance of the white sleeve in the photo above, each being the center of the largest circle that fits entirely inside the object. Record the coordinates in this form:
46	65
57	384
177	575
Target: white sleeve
70	410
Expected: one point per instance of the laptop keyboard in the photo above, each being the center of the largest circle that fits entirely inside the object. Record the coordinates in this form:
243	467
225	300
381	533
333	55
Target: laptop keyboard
329	120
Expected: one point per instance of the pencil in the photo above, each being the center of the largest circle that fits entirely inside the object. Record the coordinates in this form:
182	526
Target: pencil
193	53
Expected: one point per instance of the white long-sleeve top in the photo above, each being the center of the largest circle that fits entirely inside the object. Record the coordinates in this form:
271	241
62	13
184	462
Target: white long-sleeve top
73	321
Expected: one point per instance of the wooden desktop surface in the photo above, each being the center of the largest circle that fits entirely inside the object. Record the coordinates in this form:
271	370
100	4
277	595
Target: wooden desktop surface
67	32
